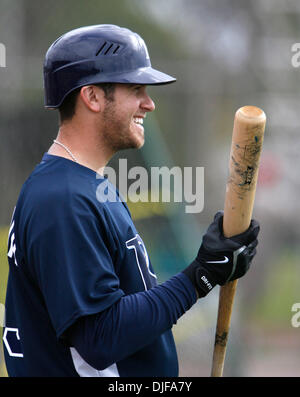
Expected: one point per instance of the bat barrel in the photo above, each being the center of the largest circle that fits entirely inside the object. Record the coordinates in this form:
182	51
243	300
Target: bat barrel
246	146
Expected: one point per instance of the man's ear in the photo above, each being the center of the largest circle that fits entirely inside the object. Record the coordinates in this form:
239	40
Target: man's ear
92	97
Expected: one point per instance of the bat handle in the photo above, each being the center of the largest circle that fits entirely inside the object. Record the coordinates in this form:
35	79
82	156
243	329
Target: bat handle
226	299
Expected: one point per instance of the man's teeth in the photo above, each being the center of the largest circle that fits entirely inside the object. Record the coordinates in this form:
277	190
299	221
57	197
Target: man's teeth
138	120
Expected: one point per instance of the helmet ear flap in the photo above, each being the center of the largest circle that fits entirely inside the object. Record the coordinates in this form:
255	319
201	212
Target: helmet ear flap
93	55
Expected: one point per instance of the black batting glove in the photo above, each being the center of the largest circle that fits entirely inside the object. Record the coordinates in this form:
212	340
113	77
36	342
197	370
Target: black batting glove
221	259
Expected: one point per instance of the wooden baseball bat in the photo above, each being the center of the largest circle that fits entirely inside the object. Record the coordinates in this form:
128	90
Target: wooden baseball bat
246	146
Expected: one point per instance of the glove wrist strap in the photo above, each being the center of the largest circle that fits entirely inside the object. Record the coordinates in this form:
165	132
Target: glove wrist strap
200	277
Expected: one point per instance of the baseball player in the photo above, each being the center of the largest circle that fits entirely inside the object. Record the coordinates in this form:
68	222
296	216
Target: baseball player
82	294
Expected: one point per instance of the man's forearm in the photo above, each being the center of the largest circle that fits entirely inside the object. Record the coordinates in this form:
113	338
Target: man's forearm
133	322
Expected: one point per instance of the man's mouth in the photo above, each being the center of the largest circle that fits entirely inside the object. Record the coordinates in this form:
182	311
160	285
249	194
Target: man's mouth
138	120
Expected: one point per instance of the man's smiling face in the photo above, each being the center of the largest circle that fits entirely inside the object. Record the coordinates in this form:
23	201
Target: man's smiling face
123	117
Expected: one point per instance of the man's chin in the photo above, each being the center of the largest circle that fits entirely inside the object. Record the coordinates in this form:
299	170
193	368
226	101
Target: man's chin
137	143
130	145
140	144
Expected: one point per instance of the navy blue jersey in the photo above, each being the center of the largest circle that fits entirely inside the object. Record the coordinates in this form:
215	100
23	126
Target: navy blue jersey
72	254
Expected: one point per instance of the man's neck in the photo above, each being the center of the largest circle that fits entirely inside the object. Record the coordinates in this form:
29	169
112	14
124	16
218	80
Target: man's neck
85	151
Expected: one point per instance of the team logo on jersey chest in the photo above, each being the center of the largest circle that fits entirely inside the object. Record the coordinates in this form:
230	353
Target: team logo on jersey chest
142	260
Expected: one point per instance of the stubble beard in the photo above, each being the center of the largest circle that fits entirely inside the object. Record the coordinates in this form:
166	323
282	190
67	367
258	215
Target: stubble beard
117	134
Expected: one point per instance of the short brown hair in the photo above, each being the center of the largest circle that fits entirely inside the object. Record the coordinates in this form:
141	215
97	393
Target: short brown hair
67	108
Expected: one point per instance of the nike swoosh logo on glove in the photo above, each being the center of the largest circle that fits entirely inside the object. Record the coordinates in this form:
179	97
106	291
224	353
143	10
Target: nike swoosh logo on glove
223	261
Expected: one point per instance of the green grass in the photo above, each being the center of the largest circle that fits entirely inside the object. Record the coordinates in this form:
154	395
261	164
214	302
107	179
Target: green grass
280	292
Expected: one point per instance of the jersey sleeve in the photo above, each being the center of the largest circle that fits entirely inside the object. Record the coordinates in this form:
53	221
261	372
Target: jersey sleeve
70	253
132	323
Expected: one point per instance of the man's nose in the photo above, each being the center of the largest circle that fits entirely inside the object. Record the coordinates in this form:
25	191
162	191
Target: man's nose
147	104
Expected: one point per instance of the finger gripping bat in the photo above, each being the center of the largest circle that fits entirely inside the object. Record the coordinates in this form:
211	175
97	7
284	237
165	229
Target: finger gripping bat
246	147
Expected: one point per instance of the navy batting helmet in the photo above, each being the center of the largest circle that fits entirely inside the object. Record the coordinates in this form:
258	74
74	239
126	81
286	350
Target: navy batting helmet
97	54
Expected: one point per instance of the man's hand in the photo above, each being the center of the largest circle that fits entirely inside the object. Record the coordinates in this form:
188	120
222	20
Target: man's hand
222	259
